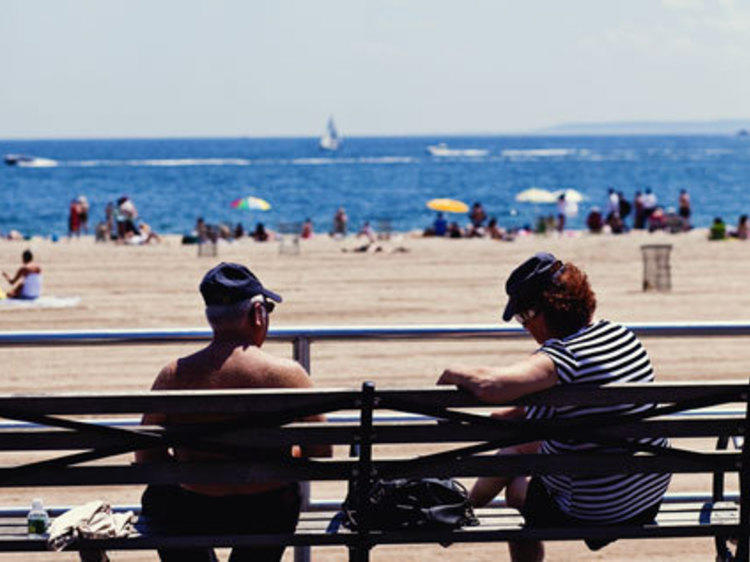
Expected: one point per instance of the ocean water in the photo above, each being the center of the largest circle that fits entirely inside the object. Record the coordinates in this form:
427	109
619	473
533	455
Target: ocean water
173	181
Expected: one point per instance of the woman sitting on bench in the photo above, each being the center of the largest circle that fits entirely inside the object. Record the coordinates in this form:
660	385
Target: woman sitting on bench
555	303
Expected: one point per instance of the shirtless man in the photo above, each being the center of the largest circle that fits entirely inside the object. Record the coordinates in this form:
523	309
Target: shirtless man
237	307
30	277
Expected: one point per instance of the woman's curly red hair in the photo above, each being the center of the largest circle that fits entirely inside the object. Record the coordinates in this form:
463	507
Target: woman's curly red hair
569	303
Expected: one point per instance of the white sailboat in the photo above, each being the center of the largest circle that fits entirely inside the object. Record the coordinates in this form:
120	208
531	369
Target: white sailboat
331	139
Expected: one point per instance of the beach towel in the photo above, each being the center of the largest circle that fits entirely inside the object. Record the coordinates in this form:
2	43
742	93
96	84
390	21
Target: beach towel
93	520
41	302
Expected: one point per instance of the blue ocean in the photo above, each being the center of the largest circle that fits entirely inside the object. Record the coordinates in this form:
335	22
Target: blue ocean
173	181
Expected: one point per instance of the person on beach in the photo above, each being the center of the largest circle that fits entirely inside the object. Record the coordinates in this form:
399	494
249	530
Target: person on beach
624	208
649	203
307	229
126	214
340	221
639	221
27	282
555	304
83	213
440	225
237	308
613	202
562	211
368	232
741	232
74	219
260	234
477	215
718	229
683	204
109	217
594	221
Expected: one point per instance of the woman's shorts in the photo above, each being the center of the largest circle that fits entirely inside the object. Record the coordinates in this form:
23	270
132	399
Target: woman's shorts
540	510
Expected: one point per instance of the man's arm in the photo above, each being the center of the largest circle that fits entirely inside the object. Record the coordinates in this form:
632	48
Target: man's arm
156	454
293	375
503	384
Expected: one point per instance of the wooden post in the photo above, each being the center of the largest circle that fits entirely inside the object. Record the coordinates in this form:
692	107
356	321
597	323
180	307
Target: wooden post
743	540
360	552
301	354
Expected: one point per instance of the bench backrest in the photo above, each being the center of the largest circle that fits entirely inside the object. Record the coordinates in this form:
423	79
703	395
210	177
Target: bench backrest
265	419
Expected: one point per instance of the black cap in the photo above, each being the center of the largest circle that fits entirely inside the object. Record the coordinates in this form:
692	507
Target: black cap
228	283
527	280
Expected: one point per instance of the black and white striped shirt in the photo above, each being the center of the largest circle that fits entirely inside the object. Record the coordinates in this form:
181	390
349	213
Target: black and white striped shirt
602	353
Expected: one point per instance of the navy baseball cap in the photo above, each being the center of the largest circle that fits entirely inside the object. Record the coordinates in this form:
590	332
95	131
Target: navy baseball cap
229	283
528	280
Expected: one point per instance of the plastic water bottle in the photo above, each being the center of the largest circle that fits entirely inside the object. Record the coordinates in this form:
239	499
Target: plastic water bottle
38	520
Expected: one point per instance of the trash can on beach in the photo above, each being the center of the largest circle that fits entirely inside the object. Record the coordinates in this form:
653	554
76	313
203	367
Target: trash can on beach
657	273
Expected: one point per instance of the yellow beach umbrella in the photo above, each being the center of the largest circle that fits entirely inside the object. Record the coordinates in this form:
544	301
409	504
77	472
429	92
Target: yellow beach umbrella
448	205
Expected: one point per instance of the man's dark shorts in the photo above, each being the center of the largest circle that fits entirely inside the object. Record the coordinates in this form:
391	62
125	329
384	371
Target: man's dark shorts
540	510
174	510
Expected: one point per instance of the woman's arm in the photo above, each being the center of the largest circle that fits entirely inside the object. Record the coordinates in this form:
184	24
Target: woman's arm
20	273
499	385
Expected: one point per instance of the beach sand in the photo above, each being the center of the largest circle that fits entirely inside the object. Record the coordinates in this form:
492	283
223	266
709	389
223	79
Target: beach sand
436	282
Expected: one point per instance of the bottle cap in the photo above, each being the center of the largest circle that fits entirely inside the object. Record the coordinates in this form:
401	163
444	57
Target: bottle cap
36	503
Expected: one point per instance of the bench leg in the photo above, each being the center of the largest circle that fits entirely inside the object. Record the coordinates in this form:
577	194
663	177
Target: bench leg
359	554
743	548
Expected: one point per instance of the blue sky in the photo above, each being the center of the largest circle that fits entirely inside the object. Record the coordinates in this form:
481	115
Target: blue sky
98	68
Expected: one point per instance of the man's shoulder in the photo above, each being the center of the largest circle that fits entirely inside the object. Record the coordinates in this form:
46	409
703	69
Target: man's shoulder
282	366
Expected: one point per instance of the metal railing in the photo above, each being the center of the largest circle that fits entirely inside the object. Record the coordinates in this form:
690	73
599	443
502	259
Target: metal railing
302	337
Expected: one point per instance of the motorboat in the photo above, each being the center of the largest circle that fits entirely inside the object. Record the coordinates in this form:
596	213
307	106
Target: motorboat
25	161
15	159
331	139
442	150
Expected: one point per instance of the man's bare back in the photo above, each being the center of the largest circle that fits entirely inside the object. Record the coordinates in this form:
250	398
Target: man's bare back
237	308
226	366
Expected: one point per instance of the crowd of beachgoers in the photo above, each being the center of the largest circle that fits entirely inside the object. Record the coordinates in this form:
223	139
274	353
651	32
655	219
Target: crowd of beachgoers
121	223
613	218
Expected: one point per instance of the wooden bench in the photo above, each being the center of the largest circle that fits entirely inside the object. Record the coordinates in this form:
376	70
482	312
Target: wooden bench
458	430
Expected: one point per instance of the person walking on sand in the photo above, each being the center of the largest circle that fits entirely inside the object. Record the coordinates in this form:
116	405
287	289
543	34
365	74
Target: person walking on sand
237	308
683	204
554	302
74	219
83	214
340	221
28	279
562	212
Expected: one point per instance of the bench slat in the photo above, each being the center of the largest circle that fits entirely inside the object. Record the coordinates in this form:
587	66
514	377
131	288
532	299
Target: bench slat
496	524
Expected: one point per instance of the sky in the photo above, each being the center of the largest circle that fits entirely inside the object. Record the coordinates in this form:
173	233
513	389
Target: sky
145	68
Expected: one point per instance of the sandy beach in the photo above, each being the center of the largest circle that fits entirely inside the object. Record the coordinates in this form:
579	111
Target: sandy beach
436	281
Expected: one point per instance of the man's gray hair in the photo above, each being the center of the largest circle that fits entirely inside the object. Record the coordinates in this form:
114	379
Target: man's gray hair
228	315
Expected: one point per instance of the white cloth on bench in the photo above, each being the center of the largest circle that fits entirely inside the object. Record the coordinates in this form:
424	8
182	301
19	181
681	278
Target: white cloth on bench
93	520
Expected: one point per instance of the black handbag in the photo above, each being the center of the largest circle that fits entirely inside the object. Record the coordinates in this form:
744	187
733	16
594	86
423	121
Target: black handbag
426	503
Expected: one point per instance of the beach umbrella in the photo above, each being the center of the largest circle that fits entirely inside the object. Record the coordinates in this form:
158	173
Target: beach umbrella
571	195
535	195
448	205
251	203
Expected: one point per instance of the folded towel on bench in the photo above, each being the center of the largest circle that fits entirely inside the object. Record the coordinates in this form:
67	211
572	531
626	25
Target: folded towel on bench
93	520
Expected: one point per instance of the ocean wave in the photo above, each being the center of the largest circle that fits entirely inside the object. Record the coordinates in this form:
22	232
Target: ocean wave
38	163
523	153
177	162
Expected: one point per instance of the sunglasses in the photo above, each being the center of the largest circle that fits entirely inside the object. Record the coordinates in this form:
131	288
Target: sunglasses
267	304
523	317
